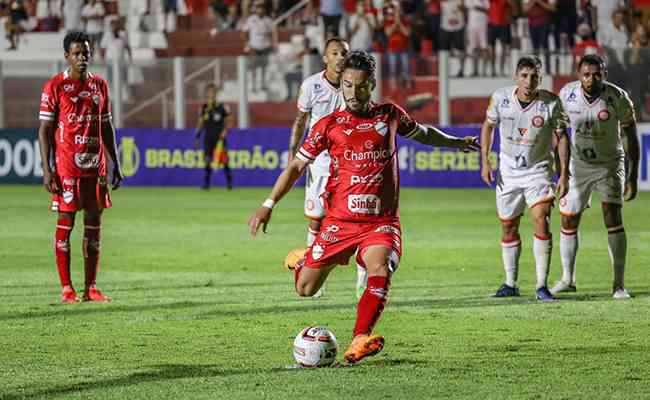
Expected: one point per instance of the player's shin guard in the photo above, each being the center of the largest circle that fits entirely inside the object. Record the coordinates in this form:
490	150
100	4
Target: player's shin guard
569	243
542	247
510	251
91	253
62	249
371	304
617	246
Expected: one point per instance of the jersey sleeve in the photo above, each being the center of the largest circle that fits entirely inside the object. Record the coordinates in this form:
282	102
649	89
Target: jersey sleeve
304	97
106	111
492	113
49	103
406	125
316	142
625	110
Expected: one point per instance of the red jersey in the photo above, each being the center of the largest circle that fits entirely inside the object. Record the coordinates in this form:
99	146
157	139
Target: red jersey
79	110
364	177
499	13
397	41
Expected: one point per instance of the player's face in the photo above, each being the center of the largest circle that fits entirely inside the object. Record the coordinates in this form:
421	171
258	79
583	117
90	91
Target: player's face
591	78
79	56
528	79
335	55
211	94
357	88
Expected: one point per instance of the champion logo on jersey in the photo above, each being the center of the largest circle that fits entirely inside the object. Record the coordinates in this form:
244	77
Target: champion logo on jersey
333	228
538	121
381	128
368	144
603	115
68	87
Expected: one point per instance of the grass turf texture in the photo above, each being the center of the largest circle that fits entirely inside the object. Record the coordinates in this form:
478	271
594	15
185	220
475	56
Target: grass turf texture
202	311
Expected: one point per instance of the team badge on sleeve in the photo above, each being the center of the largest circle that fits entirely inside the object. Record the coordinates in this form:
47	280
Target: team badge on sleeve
603	115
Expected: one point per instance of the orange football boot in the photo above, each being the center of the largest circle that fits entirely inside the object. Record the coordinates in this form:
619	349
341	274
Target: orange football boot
363	346
94	294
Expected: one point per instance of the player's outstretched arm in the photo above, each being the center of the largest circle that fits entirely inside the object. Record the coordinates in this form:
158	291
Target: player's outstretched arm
297	130
487	136
563	149
283	184
110	146
45	141
632	155
429	135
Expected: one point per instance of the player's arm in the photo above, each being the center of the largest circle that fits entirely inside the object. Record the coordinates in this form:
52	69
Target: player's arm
297	130
46	144
487	139
632	154
110	146
563	150
432	136
283	184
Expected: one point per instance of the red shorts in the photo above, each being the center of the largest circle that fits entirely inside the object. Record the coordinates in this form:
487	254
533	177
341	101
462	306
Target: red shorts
338	240
85	193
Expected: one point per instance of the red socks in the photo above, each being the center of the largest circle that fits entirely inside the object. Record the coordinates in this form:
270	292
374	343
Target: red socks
62	249
91	252
371	304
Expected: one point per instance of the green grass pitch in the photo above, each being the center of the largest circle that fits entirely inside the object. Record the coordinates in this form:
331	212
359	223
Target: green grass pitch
202	311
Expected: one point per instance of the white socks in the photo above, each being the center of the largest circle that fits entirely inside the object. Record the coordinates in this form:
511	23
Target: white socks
510	251
542	250
617	245
569	243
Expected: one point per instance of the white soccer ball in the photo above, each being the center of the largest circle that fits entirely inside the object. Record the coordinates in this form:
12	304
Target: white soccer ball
315	346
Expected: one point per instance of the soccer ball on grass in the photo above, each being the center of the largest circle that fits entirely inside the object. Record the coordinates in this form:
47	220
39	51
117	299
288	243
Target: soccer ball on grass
315	346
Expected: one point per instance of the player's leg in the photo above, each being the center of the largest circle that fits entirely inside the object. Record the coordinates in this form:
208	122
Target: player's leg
569	243
208	154
309	280
617	246
91	246
380	261
64	226
542	247
510	206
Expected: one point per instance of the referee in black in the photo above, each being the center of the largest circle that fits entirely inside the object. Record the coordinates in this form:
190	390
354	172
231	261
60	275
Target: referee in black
215	119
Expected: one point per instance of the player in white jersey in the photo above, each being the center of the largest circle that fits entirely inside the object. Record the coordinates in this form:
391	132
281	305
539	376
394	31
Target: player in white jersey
601	115
320	95
532	123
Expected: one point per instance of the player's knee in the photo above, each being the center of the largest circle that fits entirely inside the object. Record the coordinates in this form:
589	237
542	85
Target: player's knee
306	289
570	222
314	225
382	268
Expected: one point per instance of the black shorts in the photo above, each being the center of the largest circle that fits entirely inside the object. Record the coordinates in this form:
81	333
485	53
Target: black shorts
539	37
452	40
500	33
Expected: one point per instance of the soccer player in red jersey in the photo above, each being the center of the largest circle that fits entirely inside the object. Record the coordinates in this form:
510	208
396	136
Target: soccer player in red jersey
76	129
361	197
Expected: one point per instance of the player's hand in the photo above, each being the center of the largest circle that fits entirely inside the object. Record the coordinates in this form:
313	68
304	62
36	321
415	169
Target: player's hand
562	186
486	173
51	182
118	177
261	218
469	143
631	188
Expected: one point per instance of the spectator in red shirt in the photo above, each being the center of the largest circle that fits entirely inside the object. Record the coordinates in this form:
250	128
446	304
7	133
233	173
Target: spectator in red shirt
398	31
499	21
540	17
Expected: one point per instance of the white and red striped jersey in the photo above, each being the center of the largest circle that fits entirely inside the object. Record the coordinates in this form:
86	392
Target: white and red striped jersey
364	175
79	110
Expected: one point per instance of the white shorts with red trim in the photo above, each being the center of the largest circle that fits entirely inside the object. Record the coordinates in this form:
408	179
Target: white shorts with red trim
314	189
606	180
513	194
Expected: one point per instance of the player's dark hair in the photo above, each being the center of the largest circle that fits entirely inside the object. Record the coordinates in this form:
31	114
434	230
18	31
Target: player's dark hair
333	39
531	61
593	59
74	37
359	59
